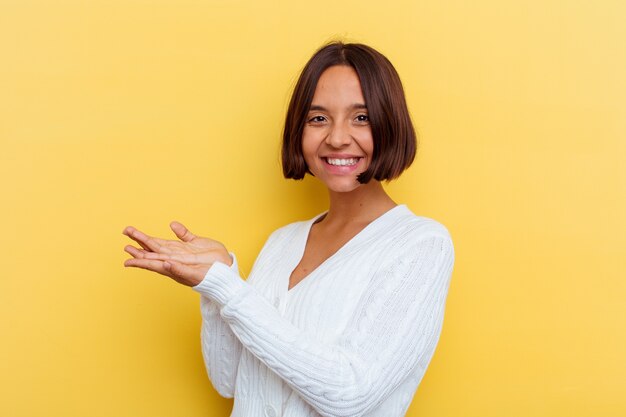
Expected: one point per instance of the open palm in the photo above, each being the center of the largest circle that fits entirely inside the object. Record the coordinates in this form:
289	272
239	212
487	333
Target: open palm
186	260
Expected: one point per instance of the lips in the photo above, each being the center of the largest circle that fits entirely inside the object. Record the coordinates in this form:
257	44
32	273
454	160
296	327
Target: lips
341	164
342	161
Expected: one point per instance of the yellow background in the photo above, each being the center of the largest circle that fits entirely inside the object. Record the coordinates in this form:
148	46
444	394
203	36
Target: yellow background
141	112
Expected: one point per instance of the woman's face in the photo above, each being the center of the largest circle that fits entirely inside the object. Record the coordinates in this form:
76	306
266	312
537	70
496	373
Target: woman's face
337	142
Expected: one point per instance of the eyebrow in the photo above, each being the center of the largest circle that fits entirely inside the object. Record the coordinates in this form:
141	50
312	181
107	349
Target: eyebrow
352	107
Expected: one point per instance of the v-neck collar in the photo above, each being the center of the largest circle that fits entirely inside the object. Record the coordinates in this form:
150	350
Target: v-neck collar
303	237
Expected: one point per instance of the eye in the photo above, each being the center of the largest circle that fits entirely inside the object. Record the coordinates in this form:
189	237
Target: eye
362	118
317	119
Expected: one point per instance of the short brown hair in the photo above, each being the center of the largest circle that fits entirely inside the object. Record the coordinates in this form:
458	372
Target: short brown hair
394	137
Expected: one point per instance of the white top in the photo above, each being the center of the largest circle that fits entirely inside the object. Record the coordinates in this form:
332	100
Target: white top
353	338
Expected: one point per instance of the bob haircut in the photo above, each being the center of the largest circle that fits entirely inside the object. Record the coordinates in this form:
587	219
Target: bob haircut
394	137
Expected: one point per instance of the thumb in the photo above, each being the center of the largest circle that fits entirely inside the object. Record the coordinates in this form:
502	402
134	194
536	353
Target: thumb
182	232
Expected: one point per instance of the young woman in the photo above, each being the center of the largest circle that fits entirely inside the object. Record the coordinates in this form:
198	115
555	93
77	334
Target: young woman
341	313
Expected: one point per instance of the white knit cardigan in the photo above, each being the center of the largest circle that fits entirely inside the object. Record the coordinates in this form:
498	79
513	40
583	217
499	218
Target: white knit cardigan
353	338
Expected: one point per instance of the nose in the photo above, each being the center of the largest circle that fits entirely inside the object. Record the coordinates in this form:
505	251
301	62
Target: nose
339	136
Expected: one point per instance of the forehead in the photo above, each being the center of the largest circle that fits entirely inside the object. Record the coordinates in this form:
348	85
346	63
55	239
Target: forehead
339	83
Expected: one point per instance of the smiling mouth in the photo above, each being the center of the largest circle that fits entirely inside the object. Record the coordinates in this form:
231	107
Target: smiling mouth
342	161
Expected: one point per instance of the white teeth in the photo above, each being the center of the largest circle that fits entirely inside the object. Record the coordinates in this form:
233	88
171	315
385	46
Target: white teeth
342	162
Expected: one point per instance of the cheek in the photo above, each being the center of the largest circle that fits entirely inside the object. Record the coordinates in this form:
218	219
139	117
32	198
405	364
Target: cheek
366	143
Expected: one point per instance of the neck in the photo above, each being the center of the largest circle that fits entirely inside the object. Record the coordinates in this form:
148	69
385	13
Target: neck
363	204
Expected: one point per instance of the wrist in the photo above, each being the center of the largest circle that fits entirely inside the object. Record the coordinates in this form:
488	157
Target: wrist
229	260
226	259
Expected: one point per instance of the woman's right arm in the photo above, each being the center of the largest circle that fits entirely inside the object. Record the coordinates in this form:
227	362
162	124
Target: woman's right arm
221	349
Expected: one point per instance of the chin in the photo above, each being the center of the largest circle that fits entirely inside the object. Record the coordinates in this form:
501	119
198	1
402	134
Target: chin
339	183
344	186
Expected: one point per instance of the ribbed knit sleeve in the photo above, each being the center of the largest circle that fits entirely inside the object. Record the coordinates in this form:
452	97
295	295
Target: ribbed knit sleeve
391	334
221	349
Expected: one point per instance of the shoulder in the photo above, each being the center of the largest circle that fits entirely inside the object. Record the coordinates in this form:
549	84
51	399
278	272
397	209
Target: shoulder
425	252
411	238
411	228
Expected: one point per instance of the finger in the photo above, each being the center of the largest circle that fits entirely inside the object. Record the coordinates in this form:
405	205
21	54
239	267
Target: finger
143	239
128	232
185	258
158	256
136	253
182	232
144	254
147	242
148	264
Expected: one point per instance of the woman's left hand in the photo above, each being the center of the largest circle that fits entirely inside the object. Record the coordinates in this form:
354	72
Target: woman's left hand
186	260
